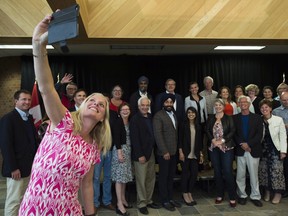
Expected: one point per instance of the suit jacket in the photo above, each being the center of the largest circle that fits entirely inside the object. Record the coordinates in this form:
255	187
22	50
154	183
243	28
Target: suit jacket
18	150
118	133
179	112
166	136
185	139
255	134
72	109
142	137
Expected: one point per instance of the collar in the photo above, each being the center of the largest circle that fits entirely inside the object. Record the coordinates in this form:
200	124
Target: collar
24	115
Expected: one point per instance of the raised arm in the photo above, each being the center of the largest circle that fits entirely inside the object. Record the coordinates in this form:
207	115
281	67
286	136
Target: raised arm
53	106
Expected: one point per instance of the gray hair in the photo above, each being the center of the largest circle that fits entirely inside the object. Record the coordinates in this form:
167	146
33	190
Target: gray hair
142	98
208	78
244	96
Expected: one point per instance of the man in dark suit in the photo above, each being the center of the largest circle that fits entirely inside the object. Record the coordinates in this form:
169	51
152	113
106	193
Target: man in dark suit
248	136
166	135
143	83
18	146
79	96
142	142
178	105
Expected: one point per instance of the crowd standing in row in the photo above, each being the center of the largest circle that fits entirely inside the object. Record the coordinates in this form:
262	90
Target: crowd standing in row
90	135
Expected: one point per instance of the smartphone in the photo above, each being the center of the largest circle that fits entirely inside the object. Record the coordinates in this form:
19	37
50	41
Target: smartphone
64	25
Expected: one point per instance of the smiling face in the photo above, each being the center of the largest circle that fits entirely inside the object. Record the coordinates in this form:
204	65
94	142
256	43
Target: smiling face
191	115
125	111
168	105
70	90
194	88
95	106
144	106
208	83
170	86
143	86
79	97
266	110
23	102
238	92
117	92
224	93
218	107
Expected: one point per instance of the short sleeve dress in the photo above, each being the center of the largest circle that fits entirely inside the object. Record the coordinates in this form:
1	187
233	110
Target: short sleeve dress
60	163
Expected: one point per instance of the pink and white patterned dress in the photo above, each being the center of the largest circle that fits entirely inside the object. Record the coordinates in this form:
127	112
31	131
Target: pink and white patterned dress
60	163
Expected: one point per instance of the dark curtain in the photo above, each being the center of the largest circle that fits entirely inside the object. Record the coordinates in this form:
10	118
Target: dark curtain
101	73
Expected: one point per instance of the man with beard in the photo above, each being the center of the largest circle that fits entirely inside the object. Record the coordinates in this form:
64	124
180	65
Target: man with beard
143	82
165	132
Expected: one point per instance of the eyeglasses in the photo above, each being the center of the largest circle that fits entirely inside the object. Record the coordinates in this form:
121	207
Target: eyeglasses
124	109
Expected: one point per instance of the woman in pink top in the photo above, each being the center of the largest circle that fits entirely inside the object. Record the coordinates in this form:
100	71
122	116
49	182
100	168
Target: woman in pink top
64	162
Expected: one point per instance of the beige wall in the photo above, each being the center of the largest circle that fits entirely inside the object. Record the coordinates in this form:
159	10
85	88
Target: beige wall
10	81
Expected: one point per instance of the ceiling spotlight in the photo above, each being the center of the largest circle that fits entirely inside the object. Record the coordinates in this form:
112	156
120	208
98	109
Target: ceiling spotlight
21	47
239	47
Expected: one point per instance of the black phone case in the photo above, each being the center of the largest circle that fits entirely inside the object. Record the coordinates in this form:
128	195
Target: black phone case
64	25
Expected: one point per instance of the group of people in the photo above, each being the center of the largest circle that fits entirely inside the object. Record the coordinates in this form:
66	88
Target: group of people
90	135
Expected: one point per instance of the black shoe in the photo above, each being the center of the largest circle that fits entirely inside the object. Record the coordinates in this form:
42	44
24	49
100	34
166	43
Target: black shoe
242	201
143	210
175	203
128	206
118	212
153	205
192	203
168	206
257	203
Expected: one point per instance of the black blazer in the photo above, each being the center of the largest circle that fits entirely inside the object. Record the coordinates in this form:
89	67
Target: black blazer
185	139
118	133
180	111
256	105
142	137
17	147
254	137
228	129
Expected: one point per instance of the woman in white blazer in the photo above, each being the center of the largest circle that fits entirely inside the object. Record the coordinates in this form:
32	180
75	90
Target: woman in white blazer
274	143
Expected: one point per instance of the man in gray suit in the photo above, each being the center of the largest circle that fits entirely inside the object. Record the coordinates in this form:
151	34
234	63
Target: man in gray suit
165	132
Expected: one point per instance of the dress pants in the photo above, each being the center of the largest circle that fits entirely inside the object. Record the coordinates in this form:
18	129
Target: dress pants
145	181
15	192
252	165
166	174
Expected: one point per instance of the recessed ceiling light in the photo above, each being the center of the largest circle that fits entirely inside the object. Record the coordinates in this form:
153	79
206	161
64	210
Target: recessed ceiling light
239	47
21	47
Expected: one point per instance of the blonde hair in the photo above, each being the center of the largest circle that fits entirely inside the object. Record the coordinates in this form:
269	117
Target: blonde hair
252	87
101	133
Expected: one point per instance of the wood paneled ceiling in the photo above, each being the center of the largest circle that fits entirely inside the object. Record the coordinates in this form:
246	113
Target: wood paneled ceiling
155	22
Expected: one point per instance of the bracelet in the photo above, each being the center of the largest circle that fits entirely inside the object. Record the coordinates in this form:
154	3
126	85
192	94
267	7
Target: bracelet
37	56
